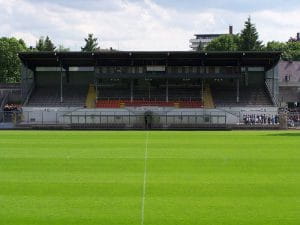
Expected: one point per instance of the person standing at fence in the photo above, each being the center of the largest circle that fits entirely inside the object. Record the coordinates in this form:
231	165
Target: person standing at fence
265	119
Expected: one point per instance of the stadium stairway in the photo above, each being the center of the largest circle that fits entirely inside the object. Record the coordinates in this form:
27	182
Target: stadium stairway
91	97
208	99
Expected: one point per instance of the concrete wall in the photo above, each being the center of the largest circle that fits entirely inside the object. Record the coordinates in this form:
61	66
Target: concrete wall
291	70
289	82
130	116
40	115
160	115
289	95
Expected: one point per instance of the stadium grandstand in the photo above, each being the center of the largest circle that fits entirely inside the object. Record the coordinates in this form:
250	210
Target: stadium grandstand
139	90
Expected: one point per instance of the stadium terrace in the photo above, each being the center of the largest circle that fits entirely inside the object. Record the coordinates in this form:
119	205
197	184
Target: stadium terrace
152	90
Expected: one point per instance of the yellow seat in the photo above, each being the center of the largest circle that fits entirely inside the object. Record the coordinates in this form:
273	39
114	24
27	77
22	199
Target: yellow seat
91	97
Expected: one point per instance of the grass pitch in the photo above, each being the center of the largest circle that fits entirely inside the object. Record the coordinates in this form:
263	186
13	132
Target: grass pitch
150	178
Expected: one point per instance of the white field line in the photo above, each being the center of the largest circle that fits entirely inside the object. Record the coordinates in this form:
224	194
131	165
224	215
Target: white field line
145	178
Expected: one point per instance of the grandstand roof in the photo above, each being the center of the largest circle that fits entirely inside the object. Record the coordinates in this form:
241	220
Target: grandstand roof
126	58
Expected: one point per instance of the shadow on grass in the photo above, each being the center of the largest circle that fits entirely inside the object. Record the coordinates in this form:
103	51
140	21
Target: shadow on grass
294	134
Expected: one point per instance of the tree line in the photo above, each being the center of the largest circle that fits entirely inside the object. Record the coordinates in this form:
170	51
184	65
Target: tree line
10	64
46	45
248	40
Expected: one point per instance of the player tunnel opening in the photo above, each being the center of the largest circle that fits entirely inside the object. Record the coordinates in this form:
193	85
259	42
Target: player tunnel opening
148	117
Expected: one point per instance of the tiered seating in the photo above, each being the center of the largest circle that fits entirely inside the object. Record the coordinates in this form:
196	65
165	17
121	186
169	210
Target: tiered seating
73	96
256	96
108	104
249	96
140	103
184	94
114	93
156	94
137	103
190	104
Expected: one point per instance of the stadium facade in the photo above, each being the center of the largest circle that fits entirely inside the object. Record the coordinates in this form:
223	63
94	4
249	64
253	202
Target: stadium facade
289	83
139	90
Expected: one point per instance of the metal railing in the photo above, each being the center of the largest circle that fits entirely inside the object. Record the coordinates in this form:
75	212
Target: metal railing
4	101
142	120
269	90
10	117
28	94
293	119
122	120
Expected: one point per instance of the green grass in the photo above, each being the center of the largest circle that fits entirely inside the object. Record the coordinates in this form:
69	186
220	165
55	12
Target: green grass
207	178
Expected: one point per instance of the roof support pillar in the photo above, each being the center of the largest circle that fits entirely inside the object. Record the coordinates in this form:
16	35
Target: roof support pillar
167	90
202	90
246	76
238	90
131	90
96	70
96	87
61	84
149	90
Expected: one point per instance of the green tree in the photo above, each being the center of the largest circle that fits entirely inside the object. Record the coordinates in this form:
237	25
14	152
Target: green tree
9	61
249	38
227	42
49	46
62	48
91	44
292	51
22	43
275	46
45	44
40	45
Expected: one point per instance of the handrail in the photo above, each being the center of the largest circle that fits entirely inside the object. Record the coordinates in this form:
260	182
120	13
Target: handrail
4	101
28	95
273	98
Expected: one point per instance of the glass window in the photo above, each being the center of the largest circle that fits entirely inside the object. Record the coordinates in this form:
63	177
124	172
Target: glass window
194	69
140	69
201	69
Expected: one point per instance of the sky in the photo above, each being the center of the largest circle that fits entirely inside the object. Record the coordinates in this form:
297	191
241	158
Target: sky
144	24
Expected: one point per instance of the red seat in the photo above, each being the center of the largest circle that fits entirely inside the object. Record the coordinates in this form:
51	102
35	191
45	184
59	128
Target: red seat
108	104
139	103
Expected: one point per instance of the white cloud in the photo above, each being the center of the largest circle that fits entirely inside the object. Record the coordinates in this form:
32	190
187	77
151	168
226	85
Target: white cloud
132	25
274	25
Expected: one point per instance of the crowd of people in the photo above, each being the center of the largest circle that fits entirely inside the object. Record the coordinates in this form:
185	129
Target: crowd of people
11	107
10	113
294	117
263	119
